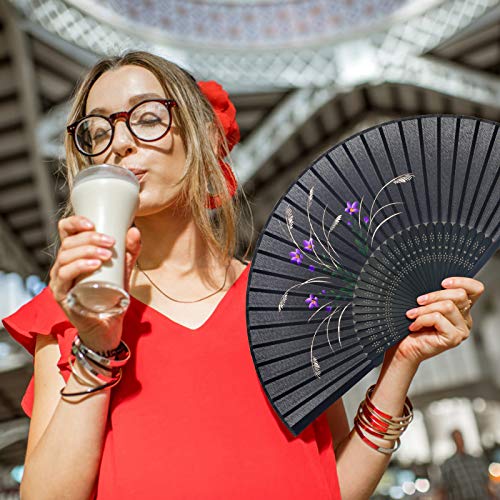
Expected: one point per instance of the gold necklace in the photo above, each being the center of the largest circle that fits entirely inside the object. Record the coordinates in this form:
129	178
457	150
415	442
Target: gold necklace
183	301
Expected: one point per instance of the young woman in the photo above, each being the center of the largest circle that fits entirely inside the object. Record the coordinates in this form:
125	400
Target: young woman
188	419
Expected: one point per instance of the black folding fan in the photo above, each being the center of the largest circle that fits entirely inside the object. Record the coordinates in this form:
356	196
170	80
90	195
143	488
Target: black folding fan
375	222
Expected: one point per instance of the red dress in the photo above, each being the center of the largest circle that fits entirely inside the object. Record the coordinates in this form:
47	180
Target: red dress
189	420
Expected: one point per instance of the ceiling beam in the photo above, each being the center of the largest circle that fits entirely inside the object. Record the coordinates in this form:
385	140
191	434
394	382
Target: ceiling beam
13	431
13	255
381	67
254	70
26	81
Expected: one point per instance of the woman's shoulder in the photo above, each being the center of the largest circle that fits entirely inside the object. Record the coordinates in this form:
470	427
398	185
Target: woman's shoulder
41	315
239	268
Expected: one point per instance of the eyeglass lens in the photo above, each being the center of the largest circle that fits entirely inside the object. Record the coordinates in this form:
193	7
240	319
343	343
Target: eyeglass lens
148	121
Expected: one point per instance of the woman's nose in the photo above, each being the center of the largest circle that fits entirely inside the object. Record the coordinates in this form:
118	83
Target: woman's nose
123	141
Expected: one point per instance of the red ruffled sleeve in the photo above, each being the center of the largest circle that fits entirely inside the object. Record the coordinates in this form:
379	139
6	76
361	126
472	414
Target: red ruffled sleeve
41	316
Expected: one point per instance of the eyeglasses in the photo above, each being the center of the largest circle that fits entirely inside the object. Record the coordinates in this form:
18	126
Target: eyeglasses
148	121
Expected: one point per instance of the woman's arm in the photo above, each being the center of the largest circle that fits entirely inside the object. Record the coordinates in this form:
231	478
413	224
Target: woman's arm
360	467
66	435
440	323
66	438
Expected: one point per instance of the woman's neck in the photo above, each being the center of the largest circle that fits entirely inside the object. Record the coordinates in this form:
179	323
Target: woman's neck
172	241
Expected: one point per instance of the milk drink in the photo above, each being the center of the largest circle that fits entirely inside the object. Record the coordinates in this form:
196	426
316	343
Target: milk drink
108	196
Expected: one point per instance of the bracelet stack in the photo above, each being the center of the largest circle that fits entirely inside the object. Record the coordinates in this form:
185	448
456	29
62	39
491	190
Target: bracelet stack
103	367
370	421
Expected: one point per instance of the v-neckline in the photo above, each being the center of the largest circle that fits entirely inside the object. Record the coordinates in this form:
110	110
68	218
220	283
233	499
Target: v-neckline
205	323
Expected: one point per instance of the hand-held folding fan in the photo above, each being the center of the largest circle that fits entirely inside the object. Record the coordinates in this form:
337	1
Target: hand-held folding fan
375	222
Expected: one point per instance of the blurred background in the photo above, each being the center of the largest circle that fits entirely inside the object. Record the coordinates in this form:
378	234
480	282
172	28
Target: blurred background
303	75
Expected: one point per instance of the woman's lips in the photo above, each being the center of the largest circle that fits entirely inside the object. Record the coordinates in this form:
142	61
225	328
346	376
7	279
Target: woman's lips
139	174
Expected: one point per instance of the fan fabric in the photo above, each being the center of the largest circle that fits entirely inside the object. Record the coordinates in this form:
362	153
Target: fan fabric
376	221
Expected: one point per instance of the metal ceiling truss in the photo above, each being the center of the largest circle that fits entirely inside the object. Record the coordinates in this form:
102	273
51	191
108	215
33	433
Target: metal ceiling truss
320	73
25	76
13	256
443	77
257	70
13	431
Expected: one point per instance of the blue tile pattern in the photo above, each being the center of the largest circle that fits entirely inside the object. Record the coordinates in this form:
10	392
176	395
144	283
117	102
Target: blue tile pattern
254	24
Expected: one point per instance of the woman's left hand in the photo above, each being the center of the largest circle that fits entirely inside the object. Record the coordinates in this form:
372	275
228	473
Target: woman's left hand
441	322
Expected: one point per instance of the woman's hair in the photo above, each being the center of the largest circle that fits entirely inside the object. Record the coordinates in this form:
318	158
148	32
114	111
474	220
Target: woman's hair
204	142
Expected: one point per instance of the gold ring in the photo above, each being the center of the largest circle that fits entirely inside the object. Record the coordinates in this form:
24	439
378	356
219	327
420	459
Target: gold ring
463	310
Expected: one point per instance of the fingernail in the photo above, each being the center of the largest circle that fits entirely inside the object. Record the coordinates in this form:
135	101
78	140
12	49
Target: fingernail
422	299
412	326
447	282
411	312
87	224
107	239
93	262
103	252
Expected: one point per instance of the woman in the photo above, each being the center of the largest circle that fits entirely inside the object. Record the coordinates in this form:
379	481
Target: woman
189	418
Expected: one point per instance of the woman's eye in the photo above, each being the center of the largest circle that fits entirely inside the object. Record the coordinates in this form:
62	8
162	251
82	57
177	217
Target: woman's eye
100	135
148	119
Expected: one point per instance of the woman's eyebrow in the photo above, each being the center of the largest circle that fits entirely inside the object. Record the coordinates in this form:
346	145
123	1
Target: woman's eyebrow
133	100
140	97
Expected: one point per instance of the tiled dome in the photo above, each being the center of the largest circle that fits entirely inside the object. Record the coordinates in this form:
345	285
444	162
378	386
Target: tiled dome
245	23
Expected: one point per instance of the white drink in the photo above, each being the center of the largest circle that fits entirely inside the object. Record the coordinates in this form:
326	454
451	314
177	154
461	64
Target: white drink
108	196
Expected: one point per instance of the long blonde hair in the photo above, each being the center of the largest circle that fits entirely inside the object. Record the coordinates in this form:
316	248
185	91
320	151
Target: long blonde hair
203	150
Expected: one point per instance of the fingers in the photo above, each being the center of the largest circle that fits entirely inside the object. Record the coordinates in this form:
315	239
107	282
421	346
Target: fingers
73	225
457	295
445	308
62	282
87	238
133	242
449	335
472	287
82	251
133	247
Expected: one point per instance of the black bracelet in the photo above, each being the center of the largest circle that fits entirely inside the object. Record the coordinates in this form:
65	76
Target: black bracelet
90	391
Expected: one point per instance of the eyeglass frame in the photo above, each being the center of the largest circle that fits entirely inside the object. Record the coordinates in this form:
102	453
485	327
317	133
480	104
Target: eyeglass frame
111	119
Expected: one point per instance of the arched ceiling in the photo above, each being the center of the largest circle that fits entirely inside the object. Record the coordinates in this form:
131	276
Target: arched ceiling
396	27
248	25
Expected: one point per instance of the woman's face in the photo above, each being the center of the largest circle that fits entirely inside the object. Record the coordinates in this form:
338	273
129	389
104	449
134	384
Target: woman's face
158	165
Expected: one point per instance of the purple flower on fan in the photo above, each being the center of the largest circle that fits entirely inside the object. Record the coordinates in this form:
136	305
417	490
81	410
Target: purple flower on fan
323	291
308	245
329	309
311	268
366	219
312	301
349	223
352	208
296	257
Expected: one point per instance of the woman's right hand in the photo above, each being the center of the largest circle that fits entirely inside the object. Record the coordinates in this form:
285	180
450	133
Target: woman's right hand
82	252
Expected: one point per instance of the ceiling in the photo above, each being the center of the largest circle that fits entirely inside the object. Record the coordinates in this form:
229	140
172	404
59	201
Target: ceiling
293	102
246	24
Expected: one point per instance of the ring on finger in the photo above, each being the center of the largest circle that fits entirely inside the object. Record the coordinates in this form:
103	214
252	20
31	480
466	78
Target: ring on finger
466	308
